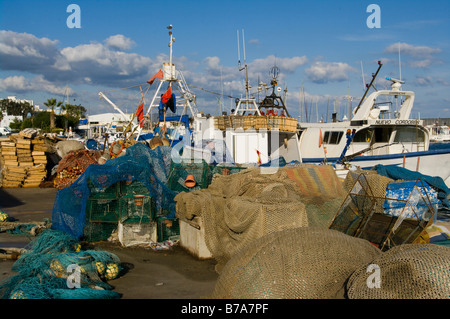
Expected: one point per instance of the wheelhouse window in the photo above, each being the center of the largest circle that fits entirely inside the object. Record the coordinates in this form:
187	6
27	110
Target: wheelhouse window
332	137
373	135
409	134
382	134
363	136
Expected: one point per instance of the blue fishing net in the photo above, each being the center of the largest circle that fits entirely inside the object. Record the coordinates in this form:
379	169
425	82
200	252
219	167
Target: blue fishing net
46	270
140	163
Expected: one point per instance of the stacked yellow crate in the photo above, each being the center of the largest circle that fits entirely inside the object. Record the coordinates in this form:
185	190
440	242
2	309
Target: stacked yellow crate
23	164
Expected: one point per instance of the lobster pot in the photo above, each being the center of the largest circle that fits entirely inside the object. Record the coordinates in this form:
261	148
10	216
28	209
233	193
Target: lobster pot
133	188
132	234
103	210
137	209
237	122
282	123
98	231
180	171
273	122
287	124
291	125
261	122
222	122
217	123
249	122
111	192
167	228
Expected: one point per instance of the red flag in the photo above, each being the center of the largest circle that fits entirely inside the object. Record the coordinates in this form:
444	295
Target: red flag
158	75
320	139
140	113
166	96
259	157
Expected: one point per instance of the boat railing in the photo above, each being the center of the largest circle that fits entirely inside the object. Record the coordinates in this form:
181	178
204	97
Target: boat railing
255	122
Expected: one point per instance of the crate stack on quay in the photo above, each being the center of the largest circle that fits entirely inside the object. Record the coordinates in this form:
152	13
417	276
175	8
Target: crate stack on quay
23	159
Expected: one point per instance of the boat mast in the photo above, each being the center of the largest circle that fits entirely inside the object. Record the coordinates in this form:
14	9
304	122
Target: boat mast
369	86
172	40
247	101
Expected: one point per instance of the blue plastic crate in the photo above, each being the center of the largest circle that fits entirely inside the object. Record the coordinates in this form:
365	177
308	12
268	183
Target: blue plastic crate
402	194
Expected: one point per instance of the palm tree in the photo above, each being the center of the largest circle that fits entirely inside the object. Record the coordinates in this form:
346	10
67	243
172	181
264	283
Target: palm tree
51	103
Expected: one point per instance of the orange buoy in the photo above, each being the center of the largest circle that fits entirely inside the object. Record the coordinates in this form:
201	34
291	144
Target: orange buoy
190	181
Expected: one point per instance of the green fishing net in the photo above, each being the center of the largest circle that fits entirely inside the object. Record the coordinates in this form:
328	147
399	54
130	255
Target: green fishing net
54	266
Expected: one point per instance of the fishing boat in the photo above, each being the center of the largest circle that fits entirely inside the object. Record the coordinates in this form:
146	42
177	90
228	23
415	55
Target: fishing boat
379	132
255	133
174	113
439	133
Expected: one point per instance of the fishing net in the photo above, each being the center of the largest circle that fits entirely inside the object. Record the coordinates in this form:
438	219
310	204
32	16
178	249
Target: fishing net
239	208
410	271
297	263
139	163
50	266
73	165
321	191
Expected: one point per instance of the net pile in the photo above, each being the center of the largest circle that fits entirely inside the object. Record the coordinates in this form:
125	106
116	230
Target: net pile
73	165
298	263
410	271
240	208
139	163
43	271
321	191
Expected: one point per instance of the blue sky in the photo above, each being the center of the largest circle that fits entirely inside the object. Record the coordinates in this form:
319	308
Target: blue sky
319	47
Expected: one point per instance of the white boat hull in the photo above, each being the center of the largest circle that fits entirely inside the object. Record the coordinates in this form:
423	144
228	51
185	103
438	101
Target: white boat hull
432	162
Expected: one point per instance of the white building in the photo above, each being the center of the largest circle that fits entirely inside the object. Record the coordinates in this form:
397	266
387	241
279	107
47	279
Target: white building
31	102
98	124
8	119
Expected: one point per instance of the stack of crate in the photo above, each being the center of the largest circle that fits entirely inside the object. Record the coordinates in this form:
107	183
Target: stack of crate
137	214
34	175
23	146
13	175
125	206
23	165
38	151
101	212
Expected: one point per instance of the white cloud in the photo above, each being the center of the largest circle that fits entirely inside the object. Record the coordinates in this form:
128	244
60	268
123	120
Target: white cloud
21	84
323	72
414	51
102	64
119	42
418	56
26	52
429	80
286	65
105	66
425	63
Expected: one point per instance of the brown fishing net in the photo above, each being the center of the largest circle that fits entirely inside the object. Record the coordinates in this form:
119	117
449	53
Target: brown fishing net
410	271
240	208
296	263
73	165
